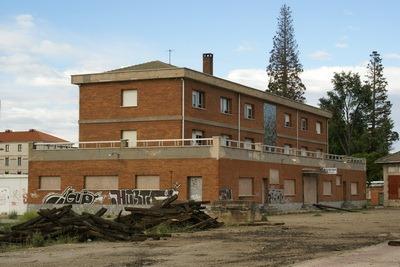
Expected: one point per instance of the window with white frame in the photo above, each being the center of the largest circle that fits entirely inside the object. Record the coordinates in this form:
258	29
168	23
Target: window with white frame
289	187
304	124
248	143
19	161
248	111
19	147
303	151
198	100
327	188
197	134
273	176
7	161
287	120
129	98
319	153
7	148
354	188
245	187
130	136
226	105
318	127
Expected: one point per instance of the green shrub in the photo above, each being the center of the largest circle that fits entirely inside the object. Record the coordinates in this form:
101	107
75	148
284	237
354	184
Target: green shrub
13	215
37	240
28	216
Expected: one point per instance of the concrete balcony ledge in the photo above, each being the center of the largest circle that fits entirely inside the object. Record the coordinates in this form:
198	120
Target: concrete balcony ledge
214	147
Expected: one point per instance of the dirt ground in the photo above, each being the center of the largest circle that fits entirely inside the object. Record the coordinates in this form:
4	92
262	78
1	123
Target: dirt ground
303	237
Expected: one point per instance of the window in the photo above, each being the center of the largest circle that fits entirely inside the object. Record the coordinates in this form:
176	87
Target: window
289	187
49	182
248	111
286	149
327	188
101	182
129	98
131	137
303	151
19	161
19	147
225	139
226	105
318	127
354	188
197	134
19	172
245	187
7	148
273	176
248	143
7	161
287	120
147	182
198	99
338	180
304	124
6	172
319	153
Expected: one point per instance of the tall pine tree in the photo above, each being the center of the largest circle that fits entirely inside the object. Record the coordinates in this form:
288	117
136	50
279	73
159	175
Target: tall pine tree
380	125
284	66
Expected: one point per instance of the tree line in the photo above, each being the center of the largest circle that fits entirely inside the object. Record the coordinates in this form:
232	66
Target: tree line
361	123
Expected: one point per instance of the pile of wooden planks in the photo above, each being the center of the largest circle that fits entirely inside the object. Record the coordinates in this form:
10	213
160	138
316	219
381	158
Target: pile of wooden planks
58	222
188	215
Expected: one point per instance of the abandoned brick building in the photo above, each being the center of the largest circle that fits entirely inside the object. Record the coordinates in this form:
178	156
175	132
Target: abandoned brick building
154	126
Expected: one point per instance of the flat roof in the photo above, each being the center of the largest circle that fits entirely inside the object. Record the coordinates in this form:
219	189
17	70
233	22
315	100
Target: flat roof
134	74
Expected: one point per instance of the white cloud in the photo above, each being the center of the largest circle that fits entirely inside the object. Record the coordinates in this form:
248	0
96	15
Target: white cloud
341	45
348	12
320	55
391	56
25	21
244	47
256	78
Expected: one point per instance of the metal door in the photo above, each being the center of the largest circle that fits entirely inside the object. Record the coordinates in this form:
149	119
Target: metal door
4	200
195	188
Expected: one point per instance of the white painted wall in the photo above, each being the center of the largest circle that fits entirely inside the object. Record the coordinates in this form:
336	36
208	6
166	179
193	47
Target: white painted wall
13	193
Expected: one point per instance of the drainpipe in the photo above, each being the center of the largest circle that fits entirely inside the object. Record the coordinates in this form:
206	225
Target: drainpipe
327	136
297	129
239	117
183	109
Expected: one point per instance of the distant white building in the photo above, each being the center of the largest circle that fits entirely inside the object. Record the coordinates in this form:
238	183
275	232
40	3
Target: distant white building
13	193
14	147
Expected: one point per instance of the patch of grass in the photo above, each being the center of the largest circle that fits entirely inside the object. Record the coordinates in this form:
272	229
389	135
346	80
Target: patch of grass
28	216
13	215
163	228
37	240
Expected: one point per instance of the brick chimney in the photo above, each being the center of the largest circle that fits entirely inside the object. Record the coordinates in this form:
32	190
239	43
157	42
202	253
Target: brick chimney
208	63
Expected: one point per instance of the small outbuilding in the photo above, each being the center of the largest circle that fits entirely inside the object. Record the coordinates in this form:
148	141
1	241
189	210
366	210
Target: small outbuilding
13	193
391	179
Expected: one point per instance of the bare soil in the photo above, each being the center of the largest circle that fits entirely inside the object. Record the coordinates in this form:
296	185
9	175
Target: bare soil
303	237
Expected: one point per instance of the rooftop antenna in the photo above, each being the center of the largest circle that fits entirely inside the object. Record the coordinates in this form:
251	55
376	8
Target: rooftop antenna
169	55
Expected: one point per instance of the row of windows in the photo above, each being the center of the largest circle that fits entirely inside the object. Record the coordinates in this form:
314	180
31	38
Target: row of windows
7	148
7	161
198	101
303	123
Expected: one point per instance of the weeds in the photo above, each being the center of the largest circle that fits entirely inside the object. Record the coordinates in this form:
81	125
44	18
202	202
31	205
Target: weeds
28	216
37	240
13	215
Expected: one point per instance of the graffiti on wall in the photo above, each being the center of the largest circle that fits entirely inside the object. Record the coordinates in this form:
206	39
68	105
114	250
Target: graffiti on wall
138	196
276	196
70	196
225	194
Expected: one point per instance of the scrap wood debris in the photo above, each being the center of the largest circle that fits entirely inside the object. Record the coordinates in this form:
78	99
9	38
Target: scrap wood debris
327	207
58	222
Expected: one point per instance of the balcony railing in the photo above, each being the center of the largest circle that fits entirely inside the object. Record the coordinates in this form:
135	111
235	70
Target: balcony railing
201	142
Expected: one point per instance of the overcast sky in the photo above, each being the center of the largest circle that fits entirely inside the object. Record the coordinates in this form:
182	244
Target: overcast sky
43	42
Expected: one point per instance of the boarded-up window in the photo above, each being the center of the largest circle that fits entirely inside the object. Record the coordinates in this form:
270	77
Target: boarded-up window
148	182
101	182
50	183
289	187
327	188
245	186
129	98
394	186
354	188
338	180
273	176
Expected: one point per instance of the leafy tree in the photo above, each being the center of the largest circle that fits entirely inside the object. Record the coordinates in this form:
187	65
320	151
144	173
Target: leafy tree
347	101
284	66
380	125
374	171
